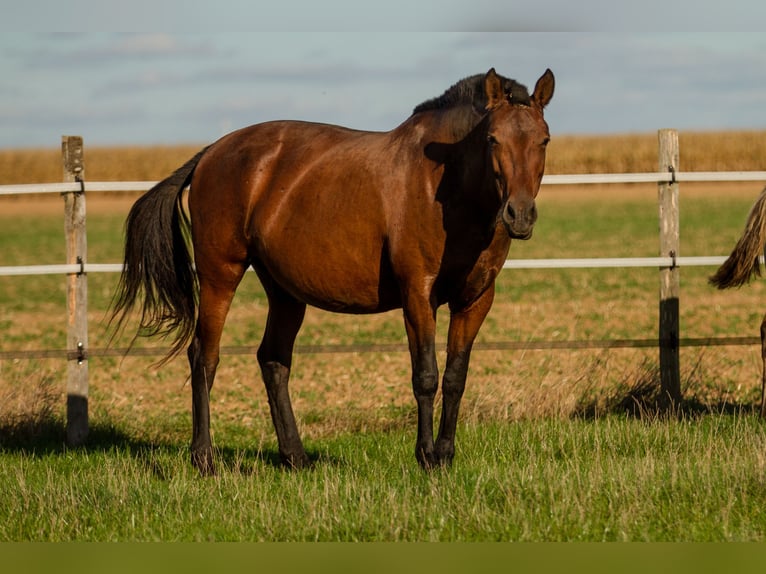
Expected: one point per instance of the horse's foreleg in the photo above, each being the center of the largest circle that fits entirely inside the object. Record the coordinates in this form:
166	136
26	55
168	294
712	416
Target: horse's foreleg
215	300
275	359
420	322
463	328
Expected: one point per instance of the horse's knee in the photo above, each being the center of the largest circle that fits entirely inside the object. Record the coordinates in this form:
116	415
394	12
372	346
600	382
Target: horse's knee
453	386
425	382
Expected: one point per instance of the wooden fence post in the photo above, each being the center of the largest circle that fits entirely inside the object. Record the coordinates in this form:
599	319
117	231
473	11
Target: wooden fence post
77	293
670	371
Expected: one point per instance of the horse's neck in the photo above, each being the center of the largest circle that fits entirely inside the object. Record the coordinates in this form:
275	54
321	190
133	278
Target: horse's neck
469	157
456	139
461	121
466	190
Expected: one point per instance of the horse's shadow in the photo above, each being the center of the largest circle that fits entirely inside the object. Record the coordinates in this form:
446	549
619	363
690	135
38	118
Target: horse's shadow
46	436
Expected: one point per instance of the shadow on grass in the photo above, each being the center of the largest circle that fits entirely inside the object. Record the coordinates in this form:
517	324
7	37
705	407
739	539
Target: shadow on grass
641	397
45	435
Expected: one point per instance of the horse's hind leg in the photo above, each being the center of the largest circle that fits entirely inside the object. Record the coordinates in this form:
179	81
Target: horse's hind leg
215	299
275	359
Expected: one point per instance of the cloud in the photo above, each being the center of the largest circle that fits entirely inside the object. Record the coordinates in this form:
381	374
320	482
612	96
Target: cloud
604	16
79	51
156	45
132	84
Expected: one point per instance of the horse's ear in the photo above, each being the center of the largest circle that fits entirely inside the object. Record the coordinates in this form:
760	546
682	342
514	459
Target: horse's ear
544	89
493	89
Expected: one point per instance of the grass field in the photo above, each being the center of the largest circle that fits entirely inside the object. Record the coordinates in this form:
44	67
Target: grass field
610	479
553	445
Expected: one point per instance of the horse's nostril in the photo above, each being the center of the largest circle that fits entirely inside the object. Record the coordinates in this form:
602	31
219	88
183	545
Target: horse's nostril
511	212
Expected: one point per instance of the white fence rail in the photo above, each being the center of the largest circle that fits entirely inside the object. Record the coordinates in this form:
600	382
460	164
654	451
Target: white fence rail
667	179
573	179
586	263
576	179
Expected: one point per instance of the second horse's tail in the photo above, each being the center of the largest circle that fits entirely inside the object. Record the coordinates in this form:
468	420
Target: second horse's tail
158	264
743	263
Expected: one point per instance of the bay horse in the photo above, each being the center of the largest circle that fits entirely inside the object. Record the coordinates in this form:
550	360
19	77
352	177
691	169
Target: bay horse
743	264
347	221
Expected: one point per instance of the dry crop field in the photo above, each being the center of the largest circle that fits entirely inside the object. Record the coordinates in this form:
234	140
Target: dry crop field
620	153
336	392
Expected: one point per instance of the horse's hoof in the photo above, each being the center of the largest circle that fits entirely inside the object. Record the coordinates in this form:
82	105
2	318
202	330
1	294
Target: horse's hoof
445	454
427	460
296	462
445	460
203	462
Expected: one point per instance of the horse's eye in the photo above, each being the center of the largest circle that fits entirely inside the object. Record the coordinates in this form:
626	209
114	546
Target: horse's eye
492	140
545	142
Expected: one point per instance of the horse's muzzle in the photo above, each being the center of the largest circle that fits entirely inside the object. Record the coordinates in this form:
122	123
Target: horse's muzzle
519	218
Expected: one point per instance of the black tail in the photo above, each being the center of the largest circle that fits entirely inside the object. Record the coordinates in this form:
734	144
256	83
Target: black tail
159	264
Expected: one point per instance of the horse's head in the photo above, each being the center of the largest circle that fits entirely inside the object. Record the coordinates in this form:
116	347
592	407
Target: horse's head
516	138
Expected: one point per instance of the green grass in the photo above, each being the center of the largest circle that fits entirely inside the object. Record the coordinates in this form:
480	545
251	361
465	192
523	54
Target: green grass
614	478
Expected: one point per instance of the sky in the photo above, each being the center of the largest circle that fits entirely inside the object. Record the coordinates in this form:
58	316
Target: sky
171	77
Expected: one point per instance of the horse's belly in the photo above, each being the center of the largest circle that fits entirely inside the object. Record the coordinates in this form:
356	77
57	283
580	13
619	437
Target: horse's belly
342	293
343	285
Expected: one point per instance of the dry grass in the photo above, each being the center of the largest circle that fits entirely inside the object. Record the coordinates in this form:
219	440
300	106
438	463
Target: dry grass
31	400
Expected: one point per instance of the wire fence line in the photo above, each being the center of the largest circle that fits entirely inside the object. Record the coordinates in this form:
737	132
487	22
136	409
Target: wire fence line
531	345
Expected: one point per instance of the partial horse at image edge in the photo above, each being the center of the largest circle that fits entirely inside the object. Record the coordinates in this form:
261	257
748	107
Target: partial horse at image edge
744	264
347	221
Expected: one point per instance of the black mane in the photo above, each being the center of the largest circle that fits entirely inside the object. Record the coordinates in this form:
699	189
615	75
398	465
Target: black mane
470	90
